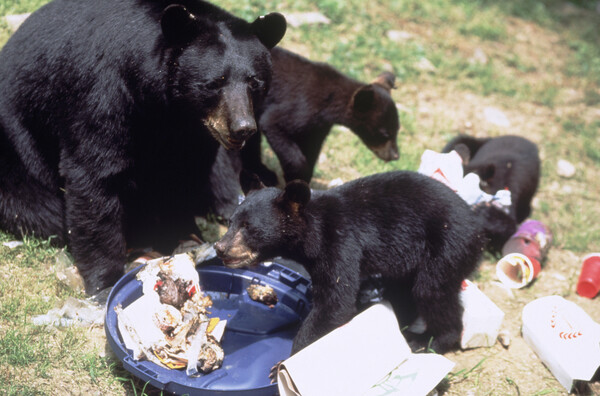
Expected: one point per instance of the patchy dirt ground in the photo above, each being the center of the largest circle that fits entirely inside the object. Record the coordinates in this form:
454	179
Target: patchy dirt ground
445	107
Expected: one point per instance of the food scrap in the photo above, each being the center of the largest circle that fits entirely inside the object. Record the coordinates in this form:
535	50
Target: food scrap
169	323
263	294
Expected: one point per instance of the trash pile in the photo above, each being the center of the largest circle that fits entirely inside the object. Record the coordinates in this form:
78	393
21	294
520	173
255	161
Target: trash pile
447	168
169	323
523	254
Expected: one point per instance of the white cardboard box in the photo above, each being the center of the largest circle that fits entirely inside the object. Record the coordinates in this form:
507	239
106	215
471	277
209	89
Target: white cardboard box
564	337
367	356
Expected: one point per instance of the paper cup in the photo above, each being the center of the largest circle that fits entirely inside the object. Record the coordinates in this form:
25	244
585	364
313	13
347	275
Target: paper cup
516	270
589	279
533	239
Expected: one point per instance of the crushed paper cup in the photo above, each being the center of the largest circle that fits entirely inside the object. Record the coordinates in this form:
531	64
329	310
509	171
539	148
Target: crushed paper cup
363	357
588	284
564	337
517	270
532	239
481	318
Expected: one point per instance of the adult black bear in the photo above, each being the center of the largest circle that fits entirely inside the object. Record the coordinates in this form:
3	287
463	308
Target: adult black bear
420	236
504	162
111	114
305	100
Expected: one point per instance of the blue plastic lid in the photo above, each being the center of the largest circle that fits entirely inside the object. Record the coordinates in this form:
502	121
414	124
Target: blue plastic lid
255	339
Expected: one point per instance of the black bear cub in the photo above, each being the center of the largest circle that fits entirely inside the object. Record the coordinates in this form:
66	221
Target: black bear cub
505	162
305	100
511	162
413	231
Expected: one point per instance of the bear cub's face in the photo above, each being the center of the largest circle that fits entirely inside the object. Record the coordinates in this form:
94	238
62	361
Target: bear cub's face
265	225
374	117
221	70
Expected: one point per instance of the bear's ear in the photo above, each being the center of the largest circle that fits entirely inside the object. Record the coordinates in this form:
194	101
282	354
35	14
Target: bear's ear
178	25
296	195
463	151
269	28
363	98
386	80
487	172
249	181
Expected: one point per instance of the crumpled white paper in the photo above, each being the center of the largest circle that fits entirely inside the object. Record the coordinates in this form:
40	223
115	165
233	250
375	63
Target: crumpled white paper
447	168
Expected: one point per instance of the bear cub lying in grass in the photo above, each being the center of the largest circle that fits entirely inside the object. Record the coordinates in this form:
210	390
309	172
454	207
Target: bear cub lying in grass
418	234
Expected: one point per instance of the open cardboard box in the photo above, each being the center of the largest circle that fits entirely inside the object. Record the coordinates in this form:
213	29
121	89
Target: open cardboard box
368	356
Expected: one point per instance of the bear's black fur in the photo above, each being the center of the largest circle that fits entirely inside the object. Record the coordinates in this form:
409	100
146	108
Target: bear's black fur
504	162
305	100
111	114
415	232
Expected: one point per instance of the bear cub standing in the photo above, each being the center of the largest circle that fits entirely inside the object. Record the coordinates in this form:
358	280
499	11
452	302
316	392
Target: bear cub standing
415	232
305	100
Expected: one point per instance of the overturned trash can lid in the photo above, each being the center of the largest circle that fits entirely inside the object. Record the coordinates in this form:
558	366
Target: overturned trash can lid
257	335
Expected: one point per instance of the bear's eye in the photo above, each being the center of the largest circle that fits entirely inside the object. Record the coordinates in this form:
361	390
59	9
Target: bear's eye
384	133
255	83
216	83
244	224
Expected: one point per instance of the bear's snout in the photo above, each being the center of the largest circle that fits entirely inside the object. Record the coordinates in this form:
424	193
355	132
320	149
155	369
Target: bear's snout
242	128
220	248
233	251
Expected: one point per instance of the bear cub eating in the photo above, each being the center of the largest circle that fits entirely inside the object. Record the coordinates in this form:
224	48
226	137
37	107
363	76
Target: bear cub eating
415	232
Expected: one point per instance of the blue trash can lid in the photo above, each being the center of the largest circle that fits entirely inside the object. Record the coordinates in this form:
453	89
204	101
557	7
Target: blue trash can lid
256	337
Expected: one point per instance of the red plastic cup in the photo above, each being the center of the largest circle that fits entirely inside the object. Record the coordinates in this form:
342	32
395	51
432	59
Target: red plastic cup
589	278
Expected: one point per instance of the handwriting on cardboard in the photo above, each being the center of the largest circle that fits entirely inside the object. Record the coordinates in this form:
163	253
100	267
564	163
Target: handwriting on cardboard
368	356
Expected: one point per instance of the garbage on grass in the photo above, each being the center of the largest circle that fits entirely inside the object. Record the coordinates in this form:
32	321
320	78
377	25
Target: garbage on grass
532	238
447	168
516	270
564	337
12	244
75	312
379	362
588	284
523	254
169	323
481	318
